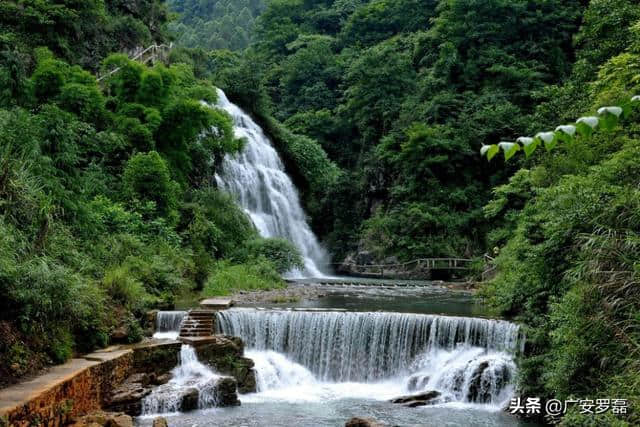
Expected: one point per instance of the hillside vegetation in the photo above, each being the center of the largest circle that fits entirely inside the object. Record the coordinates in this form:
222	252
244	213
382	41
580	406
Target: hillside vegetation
106	203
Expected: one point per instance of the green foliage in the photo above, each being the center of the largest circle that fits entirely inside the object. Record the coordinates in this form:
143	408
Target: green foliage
94	178
215	24
134	330
280	252
124	289
146	178
215	223
253	276
81	32
399	94
568	228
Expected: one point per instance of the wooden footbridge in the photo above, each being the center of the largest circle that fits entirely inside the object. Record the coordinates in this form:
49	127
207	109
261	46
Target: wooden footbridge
419	268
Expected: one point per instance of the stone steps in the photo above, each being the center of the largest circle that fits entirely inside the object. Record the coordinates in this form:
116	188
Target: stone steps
198	323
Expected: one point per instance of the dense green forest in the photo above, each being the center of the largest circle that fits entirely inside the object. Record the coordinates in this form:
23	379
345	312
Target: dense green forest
401	95
215	24
379	109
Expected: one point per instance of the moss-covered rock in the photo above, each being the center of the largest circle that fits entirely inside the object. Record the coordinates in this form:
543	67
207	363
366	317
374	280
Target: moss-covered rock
157	359
225	355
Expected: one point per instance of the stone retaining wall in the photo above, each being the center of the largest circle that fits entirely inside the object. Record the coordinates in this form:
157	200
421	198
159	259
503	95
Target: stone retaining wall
80	385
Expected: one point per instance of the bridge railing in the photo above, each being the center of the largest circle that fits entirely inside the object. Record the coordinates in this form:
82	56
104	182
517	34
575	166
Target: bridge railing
417	264
152	53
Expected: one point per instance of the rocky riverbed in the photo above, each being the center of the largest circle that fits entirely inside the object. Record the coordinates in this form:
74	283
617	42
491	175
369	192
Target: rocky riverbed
292	293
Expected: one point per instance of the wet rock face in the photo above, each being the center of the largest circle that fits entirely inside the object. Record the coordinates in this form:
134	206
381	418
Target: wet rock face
226	392
128	396
484	383
170	398
189	399
225	355
420	399
156	359
476	391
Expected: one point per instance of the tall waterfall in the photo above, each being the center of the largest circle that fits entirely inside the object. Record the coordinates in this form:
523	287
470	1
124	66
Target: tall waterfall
467	359
168	324
257	179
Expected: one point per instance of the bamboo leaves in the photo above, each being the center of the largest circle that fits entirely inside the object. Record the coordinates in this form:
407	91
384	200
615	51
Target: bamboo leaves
607	119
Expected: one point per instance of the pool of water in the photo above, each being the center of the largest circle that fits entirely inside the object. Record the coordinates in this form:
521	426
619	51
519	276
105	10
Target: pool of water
262	411
429	299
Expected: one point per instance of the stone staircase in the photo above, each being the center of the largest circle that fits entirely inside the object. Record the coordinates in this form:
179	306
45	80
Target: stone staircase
198	323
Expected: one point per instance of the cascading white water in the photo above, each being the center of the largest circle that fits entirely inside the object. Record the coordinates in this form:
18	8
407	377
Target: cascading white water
168	324
257	179
190	380
466	359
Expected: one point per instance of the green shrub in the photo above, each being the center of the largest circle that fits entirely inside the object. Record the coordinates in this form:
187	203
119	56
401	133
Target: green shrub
134	330
124	289
60	345
48	79
85	101
214	222
147	177
257	275
280	252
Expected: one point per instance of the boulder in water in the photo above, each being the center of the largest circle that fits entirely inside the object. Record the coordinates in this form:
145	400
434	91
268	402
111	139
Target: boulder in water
363	422
420	399
162	379
160	422
128	396
477	393
218	347
103	419
189	399
486	380
225	355
225	391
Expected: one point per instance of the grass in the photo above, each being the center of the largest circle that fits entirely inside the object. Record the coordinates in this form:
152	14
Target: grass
255	276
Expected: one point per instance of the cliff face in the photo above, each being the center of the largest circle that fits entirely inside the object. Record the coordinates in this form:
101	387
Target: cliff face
80	385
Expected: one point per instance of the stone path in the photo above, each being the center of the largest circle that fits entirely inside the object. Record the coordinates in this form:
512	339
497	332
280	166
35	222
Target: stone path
216	303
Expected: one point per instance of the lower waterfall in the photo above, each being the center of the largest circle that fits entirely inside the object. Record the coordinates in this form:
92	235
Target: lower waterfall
381	355
168	324
192	386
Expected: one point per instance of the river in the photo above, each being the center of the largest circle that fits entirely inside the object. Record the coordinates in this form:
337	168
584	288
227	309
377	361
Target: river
322	362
